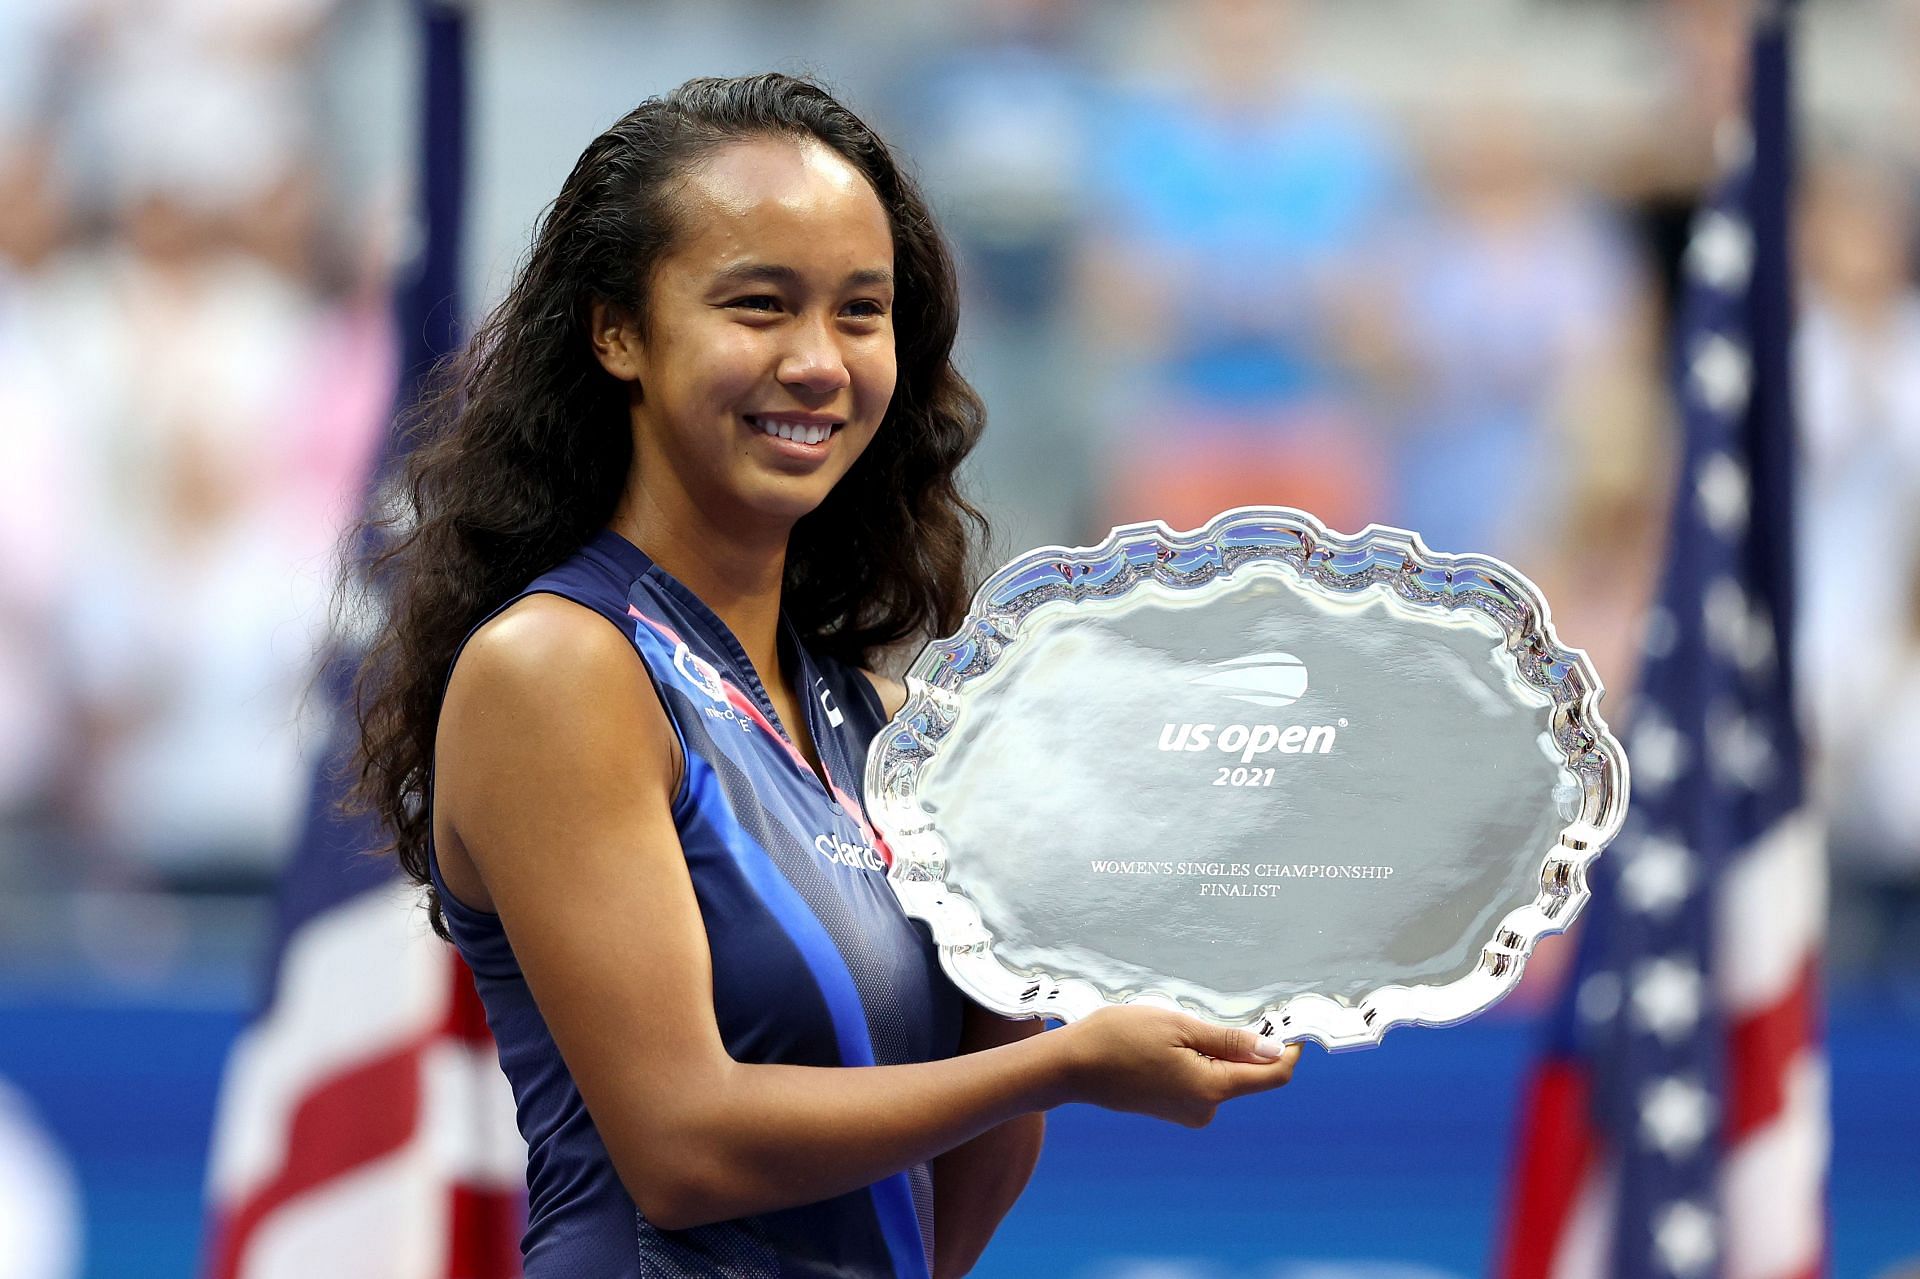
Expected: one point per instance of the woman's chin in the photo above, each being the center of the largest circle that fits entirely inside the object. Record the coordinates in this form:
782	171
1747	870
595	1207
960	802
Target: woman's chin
784	499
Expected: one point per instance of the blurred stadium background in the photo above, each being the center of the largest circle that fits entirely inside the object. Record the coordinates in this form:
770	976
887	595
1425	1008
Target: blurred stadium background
1387	260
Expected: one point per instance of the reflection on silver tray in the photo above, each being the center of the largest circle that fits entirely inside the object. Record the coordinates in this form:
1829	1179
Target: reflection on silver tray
1276	776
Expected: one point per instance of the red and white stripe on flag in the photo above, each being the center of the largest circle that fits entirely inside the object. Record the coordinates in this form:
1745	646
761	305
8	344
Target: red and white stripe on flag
1771	921
365	1127
1770	924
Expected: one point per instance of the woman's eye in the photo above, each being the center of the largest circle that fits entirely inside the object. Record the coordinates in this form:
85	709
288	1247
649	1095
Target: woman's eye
758	302
867	309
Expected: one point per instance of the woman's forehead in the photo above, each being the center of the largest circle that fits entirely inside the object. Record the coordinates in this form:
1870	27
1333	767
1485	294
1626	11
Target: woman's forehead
769	193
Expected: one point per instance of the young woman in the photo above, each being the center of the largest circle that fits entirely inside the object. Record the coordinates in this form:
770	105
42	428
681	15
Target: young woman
692	476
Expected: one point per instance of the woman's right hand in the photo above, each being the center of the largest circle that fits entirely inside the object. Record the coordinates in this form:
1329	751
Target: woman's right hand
1151	1061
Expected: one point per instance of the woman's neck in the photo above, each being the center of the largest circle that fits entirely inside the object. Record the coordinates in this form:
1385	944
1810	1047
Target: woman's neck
738	577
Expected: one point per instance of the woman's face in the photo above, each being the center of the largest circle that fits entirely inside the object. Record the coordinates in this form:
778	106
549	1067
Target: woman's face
767	361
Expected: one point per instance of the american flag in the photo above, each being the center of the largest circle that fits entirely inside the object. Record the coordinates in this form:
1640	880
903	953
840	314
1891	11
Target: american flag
364	1126
1678	1126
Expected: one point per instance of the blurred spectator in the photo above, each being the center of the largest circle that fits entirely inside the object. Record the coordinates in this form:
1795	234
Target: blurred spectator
1859	381
1874	833
35	36
1229	209
1512	311
1000	126
44	451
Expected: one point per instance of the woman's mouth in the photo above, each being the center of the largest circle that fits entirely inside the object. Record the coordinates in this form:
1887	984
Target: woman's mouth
807	433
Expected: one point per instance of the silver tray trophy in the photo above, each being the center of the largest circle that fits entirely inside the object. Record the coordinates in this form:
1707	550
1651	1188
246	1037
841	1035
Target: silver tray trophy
1275	776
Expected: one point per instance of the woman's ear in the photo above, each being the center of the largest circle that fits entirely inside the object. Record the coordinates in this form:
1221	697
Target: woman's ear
616	340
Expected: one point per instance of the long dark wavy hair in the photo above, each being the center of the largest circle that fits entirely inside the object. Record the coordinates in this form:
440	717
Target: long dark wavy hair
521	443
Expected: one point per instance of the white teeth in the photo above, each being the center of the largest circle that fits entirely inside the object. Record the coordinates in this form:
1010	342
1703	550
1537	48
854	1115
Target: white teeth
805	433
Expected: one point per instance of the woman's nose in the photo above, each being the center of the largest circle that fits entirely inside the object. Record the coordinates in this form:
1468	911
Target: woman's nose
814	361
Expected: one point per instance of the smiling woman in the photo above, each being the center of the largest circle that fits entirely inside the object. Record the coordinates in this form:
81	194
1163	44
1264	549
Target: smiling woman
692	475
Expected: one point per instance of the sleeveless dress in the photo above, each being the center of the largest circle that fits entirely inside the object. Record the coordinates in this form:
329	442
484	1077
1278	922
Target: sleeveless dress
814	963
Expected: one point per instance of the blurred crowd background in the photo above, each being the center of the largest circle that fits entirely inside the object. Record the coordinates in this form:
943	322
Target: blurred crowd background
1386	260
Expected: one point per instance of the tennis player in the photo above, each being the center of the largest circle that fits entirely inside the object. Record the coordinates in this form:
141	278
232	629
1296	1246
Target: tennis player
691	478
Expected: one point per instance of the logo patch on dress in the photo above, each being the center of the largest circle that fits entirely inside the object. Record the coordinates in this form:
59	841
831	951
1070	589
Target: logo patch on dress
699	672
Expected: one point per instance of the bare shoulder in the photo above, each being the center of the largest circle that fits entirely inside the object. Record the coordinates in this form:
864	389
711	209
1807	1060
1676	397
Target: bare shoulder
893	694
548	667
530	646
546	688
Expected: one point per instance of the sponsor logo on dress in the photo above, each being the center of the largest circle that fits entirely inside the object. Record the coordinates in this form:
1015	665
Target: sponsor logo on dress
699	672
841	853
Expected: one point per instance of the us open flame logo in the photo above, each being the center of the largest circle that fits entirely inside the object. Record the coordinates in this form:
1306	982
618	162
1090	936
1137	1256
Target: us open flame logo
1265	679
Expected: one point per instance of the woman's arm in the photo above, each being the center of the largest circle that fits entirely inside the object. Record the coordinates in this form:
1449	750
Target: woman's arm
555	766
975	1184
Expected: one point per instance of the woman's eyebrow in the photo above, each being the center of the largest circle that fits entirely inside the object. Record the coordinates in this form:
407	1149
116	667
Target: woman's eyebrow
771	273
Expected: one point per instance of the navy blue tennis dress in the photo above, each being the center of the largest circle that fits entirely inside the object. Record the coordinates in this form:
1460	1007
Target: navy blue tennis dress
814	964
